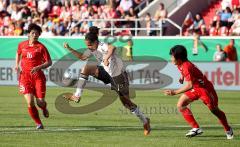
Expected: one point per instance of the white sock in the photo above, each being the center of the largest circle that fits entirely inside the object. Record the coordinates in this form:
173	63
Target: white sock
140	115
195	51
80	86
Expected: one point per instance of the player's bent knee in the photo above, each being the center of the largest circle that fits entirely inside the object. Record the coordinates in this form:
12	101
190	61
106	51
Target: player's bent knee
41	102
183	102
30	100
180	107
31	104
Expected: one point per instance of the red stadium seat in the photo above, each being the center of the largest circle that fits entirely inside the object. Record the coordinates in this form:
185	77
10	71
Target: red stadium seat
124	32
56	11
230	31
223	31
213	31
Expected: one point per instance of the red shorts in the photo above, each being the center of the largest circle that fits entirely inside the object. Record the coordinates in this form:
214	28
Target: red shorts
208	95
32	84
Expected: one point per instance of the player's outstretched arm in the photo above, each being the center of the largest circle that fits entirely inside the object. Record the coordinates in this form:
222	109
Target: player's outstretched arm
74	52
42	66
183	89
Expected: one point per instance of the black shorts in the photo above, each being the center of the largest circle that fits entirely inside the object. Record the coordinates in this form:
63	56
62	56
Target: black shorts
119	83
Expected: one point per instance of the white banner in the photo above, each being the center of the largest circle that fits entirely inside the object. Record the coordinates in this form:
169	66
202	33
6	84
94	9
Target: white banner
224	75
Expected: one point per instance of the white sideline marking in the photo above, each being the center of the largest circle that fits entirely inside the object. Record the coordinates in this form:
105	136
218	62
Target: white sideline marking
33	130
9	130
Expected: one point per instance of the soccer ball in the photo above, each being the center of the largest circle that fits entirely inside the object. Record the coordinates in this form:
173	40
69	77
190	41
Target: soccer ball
69	79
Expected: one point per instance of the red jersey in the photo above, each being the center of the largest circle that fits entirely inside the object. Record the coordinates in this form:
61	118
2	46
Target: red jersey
191	73
32	56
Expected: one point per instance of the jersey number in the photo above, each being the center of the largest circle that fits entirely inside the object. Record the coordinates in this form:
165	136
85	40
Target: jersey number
29	55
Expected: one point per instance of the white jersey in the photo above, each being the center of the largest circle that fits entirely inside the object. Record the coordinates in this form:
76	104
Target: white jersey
115	66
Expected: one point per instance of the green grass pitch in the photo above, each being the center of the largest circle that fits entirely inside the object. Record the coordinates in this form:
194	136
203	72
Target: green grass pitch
114	125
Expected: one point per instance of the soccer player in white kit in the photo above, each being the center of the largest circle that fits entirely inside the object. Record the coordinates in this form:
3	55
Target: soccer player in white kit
109	70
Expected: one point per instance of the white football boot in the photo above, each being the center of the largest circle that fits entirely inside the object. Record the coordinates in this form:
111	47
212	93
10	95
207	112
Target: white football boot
229	134
194	132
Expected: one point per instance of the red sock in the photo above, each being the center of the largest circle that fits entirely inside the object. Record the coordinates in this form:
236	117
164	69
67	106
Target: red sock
33	112
188	116
222	119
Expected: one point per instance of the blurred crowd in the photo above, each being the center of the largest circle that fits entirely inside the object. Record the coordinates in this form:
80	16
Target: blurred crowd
63	17
226	21
229	53
157	21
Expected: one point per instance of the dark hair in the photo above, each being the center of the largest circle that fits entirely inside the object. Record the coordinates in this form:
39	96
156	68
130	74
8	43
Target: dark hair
229	10
162	4
199	16
148	14
92	37
34	26
94	29
179	52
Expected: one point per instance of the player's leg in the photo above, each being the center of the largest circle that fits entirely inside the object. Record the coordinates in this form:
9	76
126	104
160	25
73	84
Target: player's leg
43	105
88	69
121	85
127	103
25	87
223	120
32	110
182	106
135	110
210	98
195	44
40	92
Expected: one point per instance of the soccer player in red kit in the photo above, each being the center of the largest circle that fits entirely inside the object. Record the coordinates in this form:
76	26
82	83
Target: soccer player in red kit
33	57
197	86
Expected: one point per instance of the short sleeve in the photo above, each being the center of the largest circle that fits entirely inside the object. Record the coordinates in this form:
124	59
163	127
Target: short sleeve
105	47
45	53
187	73
87	53
19	50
